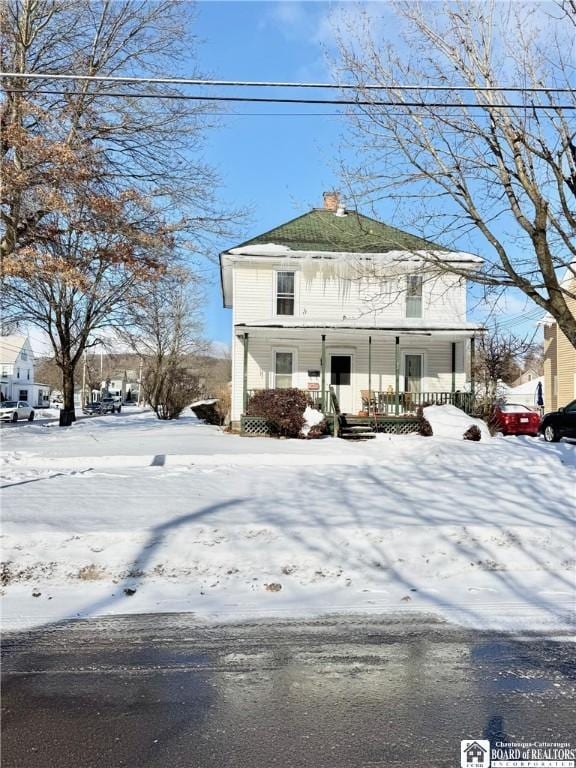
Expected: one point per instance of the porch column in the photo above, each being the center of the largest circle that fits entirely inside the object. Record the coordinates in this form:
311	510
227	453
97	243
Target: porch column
245	375
472	366
369	373
397	371
323	374
453	367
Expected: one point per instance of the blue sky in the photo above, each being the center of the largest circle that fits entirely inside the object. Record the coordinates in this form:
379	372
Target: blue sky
273	162
277	165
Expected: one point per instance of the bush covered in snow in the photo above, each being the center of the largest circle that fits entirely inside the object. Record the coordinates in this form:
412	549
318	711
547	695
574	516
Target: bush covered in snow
314	423
215	410
424	428
449	421
283	409
473	433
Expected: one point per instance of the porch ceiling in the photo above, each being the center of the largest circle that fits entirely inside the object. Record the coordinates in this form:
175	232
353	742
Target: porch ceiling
307	328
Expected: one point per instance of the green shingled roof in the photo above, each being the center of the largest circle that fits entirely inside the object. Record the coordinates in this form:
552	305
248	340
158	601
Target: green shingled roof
322	230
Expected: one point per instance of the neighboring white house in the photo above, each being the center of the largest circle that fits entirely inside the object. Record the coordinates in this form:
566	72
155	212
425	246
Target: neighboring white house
526	393
17	372
337	299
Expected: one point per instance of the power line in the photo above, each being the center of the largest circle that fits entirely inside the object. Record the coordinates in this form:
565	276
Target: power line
271	100
280	84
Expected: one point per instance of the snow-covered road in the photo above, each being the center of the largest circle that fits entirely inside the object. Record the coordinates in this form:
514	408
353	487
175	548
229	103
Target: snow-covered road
229	527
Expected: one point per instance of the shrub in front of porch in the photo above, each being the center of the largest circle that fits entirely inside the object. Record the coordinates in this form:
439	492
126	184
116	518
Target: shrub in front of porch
424	427
283	409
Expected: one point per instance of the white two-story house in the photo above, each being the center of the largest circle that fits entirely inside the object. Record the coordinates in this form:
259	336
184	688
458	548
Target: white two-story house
337	301
17	372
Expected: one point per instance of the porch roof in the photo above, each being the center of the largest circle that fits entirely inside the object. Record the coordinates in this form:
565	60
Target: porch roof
425	328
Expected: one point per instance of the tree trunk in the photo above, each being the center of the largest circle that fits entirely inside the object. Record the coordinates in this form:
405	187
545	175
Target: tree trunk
67	414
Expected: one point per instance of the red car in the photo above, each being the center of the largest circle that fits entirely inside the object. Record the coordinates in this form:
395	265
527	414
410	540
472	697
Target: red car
516	419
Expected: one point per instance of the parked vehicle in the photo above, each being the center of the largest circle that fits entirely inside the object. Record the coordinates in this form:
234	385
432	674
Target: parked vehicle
16	410
560	423
101	407
111	405
516	419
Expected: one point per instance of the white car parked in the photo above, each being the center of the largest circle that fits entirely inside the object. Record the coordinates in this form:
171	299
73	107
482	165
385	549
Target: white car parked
15	410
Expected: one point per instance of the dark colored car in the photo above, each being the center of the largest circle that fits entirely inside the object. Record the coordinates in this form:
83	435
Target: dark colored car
106	405
516	419
560	423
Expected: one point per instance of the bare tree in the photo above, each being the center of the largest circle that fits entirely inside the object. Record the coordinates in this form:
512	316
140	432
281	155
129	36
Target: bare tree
92	170
163	327
496	163
81	273
52	129
498	359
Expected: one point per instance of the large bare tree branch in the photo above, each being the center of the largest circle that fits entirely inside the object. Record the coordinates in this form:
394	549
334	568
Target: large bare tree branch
502	172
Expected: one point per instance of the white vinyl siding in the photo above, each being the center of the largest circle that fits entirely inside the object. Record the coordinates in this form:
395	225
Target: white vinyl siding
324	299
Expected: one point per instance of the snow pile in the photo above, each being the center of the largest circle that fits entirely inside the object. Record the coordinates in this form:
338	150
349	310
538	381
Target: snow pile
449	421
203	402
312	417
528	388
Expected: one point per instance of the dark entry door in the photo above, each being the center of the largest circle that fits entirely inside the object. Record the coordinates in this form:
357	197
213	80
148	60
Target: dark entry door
341	380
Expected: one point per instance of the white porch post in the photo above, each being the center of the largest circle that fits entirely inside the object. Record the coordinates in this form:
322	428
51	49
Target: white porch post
397	376
369	373
323	374
245	375
472	367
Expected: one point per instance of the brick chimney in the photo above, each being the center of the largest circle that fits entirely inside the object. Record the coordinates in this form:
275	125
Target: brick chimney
331	201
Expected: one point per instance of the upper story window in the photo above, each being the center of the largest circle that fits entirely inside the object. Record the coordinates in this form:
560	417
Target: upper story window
414	296
18	373
28	374
24	355
284	293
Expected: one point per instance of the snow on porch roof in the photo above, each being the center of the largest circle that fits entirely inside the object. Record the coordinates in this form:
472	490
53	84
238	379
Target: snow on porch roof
415	328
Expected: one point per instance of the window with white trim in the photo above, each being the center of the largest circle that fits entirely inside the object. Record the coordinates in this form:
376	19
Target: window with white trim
283	369
414	296
285	293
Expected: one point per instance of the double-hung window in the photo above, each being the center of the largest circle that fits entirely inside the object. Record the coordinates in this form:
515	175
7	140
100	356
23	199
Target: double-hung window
284	293
283	367
414	296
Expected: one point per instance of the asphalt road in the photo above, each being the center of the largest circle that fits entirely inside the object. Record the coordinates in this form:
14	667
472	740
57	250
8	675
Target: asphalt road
162	692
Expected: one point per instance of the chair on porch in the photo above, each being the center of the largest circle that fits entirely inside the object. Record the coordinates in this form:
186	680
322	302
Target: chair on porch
369	401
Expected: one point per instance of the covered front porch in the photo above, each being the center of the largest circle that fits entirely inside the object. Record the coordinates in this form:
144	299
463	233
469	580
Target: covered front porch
360	372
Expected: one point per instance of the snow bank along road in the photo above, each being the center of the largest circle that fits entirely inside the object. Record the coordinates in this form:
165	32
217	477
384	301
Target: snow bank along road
131	515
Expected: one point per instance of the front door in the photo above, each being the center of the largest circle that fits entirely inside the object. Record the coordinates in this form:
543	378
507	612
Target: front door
413	373
341	380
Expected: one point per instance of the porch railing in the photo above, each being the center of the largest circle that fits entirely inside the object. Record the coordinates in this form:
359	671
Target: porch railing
389	404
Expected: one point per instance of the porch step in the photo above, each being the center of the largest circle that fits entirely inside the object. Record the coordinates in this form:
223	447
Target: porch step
357	432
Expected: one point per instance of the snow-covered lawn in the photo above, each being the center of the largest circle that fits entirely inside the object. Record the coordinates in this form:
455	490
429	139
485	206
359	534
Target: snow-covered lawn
233	528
